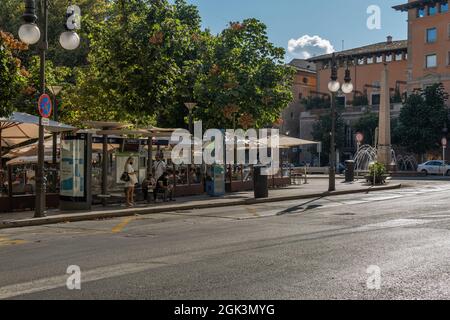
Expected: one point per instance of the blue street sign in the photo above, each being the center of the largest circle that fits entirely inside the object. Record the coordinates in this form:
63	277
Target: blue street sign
45	106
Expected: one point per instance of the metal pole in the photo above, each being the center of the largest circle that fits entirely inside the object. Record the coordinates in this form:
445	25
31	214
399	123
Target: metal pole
1	150
191	131
105	170
2	176
191	126
150	155
443	160
332	174
40	183
306	174
55	135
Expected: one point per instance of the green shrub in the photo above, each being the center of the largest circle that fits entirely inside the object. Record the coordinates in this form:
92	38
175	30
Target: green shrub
377	169
377	172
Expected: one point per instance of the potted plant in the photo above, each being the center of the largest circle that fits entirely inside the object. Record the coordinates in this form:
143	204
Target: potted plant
377	174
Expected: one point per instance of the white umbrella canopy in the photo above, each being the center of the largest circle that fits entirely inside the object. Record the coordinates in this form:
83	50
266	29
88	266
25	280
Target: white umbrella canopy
52	127
31	150
286	142
22	127
14	133
27	160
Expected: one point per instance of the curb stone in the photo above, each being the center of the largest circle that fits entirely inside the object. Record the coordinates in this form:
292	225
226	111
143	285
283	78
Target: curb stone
89	216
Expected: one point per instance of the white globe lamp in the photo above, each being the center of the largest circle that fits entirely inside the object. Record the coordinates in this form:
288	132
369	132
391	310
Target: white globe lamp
69	40
29	33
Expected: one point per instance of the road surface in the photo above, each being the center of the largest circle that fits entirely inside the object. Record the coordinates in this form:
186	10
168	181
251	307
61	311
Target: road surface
384	245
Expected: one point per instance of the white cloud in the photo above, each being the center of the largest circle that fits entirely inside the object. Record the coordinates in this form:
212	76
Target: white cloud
306	47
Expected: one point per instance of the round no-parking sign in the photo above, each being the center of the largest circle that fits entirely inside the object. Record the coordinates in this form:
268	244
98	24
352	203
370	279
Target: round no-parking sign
45	106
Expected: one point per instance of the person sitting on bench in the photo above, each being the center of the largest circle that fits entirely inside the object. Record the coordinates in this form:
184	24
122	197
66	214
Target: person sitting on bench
163	187
148	185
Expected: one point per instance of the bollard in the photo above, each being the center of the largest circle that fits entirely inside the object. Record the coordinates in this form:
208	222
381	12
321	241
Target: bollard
349	171
260	183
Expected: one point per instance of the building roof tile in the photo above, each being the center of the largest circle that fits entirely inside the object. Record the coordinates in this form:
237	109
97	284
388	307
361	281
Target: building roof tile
303	65
370	49
415	4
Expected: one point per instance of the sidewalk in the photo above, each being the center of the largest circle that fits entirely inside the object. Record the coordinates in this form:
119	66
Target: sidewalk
314	189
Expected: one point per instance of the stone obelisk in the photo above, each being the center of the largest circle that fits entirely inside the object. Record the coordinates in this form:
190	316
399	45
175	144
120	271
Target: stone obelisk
384	126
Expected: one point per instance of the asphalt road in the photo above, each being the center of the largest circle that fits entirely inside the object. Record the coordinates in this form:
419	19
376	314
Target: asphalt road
328	248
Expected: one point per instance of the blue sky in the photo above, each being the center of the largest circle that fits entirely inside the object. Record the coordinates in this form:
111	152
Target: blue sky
332	20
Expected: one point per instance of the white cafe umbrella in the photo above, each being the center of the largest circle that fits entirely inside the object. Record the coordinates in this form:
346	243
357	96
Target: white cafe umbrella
27	160
22	127
286	142
31	150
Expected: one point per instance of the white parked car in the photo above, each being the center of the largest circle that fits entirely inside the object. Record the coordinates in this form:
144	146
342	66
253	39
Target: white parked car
434	167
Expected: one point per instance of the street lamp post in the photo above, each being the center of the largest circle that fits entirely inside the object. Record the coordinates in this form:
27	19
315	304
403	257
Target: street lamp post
30	34
190	106
55	90
334	86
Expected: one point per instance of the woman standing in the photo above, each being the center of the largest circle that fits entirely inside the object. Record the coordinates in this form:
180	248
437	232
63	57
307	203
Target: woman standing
131	183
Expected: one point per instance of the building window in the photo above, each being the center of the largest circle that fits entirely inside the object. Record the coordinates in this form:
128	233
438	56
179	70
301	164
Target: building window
431	61
421	12
444	7
370	60
398	57
379	59
388	57
431	35
432	10
376	99
361	60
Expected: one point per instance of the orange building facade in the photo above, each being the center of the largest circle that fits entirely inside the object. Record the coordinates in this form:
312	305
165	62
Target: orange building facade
421	60
305	83
428	43
365	65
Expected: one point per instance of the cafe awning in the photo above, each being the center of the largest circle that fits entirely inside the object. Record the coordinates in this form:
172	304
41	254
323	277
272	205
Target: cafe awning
22	127
27	160
286	142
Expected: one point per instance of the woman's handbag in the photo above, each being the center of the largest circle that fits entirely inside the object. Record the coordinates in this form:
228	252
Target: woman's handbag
125	177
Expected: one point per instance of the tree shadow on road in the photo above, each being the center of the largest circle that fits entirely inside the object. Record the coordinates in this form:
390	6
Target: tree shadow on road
302	207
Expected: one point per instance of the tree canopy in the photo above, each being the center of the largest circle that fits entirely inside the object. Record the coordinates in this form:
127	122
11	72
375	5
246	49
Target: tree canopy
141	60
422	119
12	74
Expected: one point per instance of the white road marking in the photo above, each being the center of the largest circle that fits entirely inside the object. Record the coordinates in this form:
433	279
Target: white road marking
86	276
107	272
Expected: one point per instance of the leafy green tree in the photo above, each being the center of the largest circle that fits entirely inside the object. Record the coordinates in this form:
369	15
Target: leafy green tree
26	100
422	119
141	60
245	70
190	56
12	73
321	132
135	70
367	125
